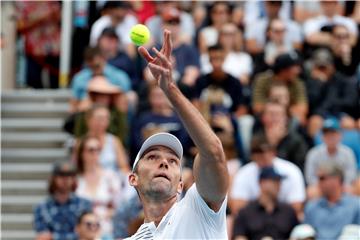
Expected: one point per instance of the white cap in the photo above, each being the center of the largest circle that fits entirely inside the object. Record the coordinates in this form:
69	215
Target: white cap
302	231
162	139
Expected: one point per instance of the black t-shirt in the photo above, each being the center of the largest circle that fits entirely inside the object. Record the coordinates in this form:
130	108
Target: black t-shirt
229	84
255	223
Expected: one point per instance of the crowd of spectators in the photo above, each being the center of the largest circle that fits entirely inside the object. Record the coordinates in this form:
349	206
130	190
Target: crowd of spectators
278	82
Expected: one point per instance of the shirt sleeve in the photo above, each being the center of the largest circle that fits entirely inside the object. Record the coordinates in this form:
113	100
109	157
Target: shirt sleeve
350	167
259	90
297	191
240	189
300	92
214	219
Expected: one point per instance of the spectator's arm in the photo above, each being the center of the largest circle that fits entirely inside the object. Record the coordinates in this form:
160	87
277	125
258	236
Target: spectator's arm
44	236
237	204
252	46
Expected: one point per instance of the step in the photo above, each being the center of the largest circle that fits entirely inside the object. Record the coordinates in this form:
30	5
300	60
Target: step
33	171
35	110
21	204
31	124
17	235
34	139
33	154
32	95
20	187
17	221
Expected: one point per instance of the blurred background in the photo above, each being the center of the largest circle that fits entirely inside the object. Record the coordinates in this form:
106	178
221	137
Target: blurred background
278	81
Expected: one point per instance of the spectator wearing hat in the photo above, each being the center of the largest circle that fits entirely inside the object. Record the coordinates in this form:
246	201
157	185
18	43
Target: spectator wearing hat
101	92
329	214
330	93
246	186
56	217
108	44
88	226
96	65
266	216
286	70
117	16
331	151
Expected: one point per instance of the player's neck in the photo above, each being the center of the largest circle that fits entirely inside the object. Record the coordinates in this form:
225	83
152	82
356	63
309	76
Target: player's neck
154	211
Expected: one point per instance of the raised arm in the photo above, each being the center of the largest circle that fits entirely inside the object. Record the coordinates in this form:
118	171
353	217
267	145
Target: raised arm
210	170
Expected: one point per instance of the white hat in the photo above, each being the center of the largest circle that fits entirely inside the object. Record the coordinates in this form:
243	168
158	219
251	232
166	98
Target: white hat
302	231
350	232
162	139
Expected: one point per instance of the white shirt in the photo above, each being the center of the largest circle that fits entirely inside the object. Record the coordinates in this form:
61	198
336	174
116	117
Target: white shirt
235	64
314	25
190	218
344	157
122	29
246	182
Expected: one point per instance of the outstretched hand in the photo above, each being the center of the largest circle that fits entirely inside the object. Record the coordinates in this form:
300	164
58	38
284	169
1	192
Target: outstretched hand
160	66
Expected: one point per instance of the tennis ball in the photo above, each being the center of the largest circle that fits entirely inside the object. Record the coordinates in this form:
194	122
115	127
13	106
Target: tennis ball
139	34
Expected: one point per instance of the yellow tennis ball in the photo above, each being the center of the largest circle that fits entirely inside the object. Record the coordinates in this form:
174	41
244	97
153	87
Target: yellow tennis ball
139	34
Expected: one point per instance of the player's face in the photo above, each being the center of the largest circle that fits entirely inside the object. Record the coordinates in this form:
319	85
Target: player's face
158	174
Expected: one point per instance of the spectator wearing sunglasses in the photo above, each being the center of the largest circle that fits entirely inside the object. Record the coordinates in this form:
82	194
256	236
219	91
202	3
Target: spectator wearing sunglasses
56	217
88	226
329	214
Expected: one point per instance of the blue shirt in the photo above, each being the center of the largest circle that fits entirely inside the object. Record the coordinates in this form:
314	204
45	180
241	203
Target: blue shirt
60	219
115	76
329	220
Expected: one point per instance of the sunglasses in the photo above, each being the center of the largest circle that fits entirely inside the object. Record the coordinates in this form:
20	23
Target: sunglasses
323	177
93	150
173	22
342	36
92	225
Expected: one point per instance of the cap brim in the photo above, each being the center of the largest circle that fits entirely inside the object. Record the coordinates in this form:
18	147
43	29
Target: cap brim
160	139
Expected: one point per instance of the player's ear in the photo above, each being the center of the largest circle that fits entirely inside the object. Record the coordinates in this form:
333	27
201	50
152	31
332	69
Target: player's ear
180	187
133	179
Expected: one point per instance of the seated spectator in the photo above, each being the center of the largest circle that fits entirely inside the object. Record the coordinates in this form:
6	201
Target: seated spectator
346	57
255	33
100	92
277	43
128	218
88	227
219	13
285	70
186	63
218	79
331	151
330	93
108	43
246	187
289	144
96	65
103	187
160	118
329	214
186	23
56	217
266	216
117	16
303	232
317	30
113	154
237	63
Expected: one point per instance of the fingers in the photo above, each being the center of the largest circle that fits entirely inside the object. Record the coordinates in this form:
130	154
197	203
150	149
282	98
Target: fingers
143	52
164	61
167	43
156	69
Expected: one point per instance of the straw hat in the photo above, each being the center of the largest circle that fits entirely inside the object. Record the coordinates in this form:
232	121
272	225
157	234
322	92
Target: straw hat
99	84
